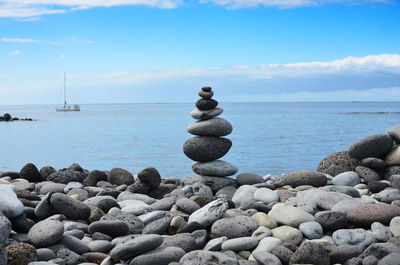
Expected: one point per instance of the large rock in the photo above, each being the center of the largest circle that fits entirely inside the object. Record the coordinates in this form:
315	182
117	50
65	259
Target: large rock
289	215
233	227
94	177
302	177
394	132
210	127
355	237
10	205
365	215
205	114
377	145
206	148
150	176
201	257
20	254
67	176
46	233
349	178
206	104
70	207
119	176
311	253
30	173
135	247
216	168
337	163
208	214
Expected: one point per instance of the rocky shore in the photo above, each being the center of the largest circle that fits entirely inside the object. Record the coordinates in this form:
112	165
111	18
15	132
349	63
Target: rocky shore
347	211
7	117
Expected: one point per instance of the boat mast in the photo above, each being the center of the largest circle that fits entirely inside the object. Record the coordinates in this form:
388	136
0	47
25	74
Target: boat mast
65	89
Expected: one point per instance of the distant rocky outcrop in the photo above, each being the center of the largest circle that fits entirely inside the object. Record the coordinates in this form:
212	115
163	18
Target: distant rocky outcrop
7	117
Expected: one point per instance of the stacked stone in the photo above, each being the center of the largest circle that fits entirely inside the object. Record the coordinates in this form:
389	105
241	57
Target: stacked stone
209	145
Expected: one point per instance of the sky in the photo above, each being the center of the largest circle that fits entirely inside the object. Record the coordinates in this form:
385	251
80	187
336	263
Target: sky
139	51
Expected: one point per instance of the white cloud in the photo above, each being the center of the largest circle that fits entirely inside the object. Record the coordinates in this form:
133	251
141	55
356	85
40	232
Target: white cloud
2	76
14	53
64	41
62	56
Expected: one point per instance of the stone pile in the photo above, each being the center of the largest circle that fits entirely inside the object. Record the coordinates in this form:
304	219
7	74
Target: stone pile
209	144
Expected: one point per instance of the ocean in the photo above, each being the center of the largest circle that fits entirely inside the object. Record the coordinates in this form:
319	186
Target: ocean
268	138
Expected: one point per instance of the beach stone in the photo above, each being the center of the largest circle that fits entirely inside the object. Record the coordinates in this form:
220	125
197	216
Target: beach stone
102	246
105	203
355	237
216	168
309	206
337	163
249	179
126	195
215	244
112	228
215	183
367	174
365	215
206	94
45	233
161	256
346	205
311	253
339	254
10	205
349	178
206	148
94	177
134	207
139	187
200	237
391	259
381	232
373	162
326	200
380	250
393	158
266	195
202	190
73	185
47	171
266	258
394	132
74	244
70	257
288	215
45	254
233	227
226	192
164	204
21	224
30	173
20	254
395	226
44	209
183	240
150	176
266	244
5	228
208	214
206	114
206	89
330	220
283	254
377	145
390	171
119	176
244	193
151	216
240	243
210	127
288	234
52	187
94	258
66	176
135	247
312	230
201	257
159	226
350	191
78	194
377	186
206	104
71	208
301	177
187	205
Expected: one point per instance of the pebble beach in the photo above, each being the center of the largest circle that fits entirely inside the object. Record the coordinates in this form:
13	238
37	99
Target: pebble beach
346	211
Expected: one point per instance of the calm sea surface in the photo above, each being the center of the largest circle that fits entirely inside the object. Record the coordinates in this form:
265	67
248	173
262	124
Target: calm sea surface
268	138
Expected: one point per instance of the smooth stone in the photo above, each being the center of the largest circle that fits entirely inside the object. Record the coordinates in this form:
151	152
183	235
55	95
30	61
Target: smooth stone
266	258
5	228
233	227
75	233
337	163
367	174
94	177
244	193
208	214
288	215
151	216
249	179
52	187
226	192
200	257
326	200
339	254
373	162
134	207
46	233
45	254
70	257
393	158
380	250
365	215
112	228
119	176
94	258
105	203
10	205
150	176
159	226
377	145
206	89
288	234
206	148
355	237
345	206
266	195
395	226
135	247
102	246
164	204
309	206
215	183
30	173
74	244
44	209
126	195
202	190
266	244
394	132
210	127
283	253
240	243
391	259
161	256
349	178
206	104
184	241
381	232
311	253
73	185
206	114
187	205
215	244
200	237
206	94
261	232
216	168
330	220
71	208
301	177
312	230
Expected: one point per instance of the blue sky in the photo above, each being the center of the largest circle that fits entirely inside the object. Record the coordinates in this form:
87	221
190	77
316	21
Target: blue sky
165	50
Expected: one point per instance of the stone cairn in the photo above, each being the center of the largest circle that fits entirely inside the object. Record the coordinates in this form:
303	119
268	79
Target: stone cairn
209	145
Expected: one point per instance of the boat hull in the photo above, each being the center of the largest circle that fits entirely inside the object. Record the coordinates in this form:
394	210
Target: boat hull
68	109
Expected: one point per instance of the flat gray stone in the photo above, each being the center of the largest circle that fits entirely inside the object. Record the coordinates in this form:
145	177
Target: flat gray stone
289	215
355	237
233	227
46	233
349	178
312	230
205	114
159	256
208	214
240	244
266	195
70	207
215	244
5	228
210	127
301	177
263	257
216	168
201	257
244	193
10	205
135	247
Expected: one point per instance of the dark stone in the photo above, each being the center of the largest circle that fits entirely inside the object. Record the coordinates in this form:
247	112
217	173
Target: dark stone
162	190
7	117
101	236
370	260
365	215
109	192
135	247
74	244
211	127
380	250
119	176
373	162
331	221
205	148
377	145
202	200
105	203
233	227
353	261
135	225
206	89
12	175
139	187
47	171
206	104
367	174
21	224
70	257
377	186
182	240
160	256
206	95
187	205
67	176
159	226
150	176
30	173
249	179
71	208
94	257
311	253
75	167
189	228
94	177
113	228
390	171
391	259
257	205
337	163
283	253
45	254
201	257
339	254
394	132
20	254
301	177
95	215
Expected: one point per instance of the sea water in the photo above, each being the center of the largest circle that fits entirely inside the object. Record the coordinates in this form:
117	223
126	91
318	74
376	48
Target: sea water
268	138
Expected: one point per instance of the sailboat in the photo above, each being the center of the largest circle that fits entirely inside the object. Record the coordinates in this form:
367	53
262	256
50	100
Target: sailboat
67	107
